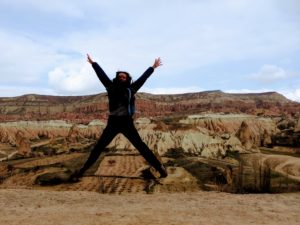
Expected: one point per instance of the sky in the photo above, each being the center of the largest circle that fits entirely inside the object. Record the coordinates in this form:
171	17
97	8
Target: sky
236	46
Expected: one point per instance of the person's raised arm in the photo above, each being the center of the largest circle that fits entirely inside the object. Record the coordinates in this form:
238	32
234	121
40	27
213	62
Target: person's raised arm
99	71
157	63
142	79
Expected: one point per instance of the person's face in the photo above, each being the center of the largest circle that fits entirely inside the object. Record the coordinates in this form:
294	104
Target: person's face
122	77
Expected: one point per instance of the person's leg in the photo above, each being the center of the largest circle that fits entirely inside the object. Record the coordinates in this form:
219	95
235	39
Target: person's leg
133	136
107	136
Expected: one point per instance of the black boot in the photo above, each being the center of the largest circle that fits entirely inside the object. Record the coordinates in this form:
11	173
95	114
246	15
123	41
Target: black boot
163	172
74	177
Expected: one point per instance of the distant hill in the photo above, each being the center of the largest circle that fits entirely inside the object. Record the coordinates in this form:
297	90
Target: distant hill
82	109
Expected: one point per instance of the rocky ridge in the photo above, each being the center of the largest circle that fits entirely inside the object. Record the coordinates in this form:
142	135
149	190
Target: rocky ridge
83	109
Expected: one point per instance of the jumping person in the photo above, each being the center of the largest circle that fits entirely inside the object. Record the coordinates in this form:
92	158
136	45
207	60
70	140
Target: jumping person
121	91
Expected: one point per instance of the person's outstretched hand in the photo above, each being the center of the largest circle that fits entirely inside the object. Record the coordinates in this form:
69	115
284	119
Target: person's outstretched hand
89	59
157	63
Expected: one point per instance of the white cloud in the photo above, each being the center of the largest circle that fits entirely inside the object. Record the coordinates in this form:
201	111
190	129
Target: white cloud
178	90
24	59
128	35
269	74
245	91
65	7
186	36
74	78
293	94
9	91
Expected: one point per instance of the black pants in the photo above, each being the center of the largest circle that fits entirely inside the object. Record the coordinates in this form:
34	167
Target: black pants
124	125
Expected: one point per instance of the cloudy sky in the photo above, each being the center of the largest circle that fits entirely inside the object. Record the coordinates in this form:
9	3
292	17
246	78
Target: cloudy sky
229	45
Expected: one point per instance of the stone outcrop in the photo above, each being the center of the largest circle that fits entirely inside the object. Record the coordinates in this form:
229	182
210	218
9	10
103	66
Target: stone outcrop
288	134
22	144
248	137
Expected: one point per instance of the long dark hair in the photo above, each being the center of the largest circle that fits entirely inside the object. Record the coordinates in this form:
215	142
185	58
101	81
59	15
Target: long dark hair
128	78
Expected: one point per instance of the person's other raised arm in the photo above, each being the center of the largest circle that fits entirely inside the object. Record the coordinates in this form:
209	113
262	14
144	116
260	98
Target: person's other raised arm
157	63
142	79
99	71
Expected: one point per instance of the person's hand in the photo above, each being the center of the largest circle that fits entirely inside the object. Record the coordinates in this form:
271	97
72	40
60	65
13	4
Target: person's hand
89	59
157	63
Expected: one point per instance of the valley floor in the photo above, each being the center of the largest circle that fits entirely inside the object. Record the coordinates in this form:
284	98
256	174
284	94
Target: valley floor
44	207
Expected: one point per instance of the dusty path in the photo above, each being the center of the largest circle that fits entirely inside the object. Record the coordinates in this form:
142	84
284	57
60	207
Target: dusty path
38	207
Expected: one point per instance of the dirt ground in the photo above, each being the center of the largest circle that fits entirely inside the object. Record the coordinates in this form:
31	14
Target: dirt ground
44	207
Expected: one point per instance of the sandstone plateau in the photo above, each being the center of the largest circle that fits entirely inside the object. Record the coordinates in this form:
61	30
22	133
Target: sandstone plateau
208	140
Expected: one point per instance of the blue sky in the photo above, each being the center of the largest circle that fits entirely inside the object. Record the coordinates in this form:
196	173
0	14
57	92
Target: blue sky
229	45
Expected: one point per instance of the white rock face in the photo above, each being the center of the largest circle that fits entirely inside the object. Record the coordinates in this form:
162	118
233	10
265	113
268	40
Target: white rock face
97	123
206	135
209	136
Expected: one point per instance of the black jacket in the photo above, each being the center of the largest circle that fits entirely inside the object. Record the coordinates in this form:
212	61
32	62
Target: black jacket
121	98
